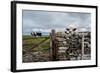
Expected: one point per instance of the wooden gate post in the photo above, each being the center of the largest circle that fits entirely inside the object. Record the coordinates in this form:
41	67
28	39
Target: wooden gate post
54	46
82	50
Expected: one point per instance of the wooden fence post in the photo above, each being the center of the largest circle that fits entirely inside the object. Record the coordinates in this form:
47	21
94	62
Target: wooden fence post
54	46
82	50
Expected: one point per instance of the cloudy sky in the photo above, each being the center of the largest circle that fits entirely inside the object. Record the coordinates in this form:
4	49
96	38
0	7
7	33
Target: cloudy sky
44	21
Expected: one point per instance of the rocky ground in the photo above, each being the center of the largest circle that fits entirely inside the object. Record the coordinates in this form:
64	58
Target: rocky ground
39	56
44	56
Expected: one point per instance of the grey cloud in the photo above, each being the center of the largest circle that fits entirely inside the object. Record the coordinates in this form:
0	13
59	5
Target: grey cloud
49	20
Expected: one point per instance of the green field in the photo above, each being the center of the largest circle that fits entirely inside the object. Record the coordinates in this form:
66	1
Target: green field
36	43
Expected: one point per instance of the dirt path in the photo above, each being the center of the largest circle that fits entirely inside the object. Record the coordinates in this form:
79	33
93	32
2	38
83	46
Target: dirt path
40	43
